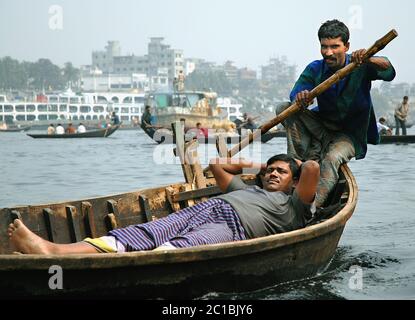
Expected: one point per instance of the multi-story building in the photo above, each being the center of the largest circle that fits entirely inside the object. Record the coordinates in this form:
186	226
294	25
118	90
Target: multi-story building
131	64
160	64
161	55
107	82
104	60
231	71
278	70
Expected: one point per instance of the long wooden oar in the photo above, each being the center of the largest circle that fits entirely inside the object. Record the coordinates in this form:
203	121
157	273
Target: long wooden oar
335	78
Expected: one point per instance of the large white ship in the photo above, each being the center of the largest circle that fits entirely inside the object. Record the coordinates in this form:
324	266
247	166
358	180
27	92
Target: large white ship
68	106
91	107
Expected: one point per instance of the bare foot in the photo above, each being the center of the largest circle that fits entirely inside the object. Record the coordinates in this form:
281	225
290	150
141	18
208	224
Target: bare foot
26	241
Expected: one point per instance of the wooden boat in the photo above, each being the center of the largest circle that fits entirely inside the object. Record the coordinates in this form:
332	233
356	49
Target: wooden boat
182	273
100	133
190	106
273	134
15	129
166	136
397	139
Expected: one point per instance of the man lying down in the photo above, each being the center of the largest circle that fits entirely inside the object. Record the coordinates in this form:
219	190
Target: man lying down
280	202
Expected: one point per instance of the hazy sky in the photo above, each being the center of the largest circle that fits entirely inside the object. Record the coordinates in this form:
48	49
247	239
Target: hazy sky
247	32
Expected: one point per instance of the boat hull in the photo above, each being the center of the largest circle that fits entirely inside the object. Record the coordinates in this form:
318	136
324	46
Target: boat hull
178	279
397	139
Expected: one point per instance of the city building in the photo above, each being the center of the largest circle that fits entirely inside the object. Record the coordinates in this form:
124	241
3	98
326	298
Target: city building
161	64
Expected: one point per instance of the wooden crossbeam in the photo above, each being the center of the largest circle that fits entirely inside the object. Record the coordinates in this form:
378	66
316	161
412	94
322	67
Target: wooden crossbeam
73	224
48	215
89	219
145	208
178	132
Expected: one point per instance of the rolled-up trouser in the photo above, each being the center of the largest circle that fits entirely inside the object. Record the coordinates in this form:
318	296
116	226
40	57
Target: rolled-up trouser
309	138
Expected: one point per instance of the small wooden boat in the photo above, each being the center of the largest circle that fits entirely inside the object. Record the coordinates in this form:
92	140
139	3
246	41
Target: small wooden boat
273	134
100	133
182	273
15	129
397	139
166	136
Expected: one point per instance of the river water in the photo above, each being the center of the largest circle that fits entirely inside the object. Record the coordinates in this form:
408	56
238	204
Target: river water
376	254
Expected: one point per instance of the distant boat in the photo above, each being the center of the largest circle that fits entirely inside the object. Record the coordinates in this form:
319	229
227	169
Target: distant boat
166	136
100	133
15	129
190	106
397	139
67	107
273	134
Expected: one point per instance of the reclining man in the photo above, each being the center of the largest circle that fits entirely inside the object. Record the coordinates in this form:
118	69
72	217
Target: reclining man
282	202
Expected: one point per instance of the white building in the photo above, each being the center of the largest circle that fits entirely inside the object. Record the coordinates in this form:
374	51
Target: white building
160	57
116	82
104	60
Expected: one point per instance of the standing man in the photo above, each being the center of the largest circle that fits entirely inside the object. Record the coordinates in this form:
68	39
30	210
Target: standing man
115	119
180	81
343	122
401	113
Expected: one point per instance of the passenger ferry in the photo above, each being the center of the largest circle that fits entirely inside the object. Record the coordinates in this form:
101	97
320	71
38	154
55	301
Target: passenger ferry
68	106
94	107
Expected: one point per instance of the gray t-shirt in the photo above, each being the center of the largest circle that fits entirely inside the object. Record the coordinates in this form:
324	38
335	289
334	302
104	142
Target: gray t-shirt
264	213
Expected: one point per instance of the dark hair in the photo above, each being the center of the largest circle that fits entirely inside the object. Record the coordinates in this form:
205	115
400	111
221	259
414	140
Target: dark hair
333	29
406	97
294	167
382	119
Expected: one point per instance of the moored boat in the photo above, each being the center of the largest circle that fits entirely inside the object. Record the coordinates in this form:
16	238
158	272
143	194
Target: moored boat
65	107
190	272
100	133
15	128
166	136
397	139
190	106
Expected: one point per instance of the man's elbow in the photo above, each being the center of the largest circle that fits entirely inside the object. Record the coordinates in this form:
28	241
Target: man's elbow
310	167
214	163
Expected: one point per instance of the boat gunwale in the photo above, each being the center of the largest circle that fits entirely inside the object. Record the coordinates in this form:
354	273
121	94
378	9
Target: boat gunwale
186	255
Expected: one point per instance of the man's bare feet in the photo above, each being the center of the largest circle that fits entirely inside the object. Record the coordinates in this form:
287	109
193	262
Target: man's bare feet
26	241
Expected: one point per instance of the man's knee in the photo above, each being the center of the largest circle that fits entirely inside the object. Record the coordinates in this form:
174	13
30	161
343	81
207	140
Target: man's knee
281	107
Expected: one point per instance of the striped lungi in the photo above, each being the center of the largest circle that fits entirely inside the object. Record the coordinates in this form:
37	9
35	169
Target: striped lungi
209	222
